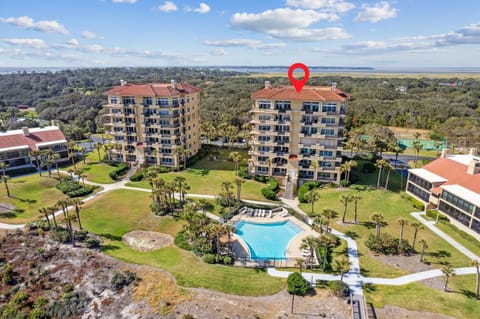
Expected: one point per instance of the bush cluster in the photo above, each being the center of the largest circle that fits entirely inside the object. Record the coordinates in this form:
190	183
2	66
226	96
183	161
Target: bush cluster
120	280
415	202
73	188
305	188
297	285
121	169
433	214
387	244
181	242
270	192
339	288
72	304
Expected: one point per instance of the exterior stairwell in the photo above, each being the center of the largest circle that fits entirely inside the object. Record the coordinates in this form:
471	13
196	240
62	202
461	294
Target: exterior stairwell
290	190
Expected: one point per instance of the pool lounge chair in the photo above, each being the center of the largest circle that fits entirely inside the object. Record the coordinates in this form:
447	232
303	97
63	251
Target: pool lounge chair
284	214
270	214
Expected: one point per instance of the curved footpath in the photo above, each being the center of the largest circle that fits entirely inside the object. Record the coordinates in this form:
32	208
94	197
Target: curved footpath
353	277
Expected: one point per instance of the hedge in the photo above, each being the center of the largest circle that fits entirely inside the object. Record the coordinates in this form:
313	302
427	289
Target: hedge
72	188
415	202
270	192
305	188
121	169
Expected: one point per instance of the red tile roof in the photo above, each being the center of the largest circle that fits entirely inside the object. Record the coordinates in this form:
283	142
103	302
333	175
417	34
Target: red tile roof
151	89
37	135
455	173
308	93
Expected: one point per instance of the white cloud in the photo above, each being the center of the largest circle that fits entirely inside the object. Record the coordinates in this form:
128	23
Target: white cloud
94	48
377	12
290	24
168	6
72	43
331	5
124	1
90	35
33	43
25	22
217	52
203	8
467	35
249	43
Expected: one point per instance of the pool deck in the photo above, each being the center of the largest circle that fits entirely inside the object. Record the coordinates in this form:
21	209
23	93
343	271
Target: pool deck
293	250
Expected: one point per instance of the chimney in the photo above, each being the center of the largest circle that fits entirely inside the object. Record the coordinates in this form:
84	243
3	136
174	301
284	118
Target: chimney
123	82
25	130
473	167
52	123
473	151
173	83
334	86
267	84
444	153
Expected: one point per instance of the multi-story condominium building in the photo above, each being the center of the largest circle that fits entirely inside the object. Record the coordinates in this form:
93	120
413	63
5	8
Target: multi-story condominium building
451	184
297	137
155	123
16	145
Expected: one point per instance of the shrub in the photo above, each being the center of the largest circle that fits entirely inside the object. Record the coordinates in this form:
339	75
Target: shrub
209	258
121	169
60	234
243	173
415	202
73	188
433	214
80	235
343	183
261	179
269	194
306	187
138	176
120	280
6	275
387	244
72	304
339	288
181	242
297	285
227	260
92	242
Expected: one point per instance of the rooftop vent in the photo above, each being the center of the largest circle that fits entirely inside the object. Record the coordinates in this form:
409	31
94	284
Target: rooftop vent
334	86
173	83
26	131
267	84
444	152
123	82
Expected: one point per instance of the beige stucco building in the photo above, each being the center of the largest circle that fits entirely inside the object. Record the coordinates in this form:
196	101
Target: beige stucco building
157	123
297	137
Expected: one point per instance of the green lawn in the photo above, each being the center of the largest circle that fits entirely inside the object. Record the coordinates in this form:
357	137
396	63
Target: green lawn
28	194
466	240
95	171
395	181
392	206
459	303
207	175
121	211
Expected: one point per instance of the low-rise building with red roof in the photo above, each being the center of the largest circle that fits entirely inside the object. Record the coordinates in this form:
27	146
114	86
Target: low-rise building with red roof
16	146
451	184
297	136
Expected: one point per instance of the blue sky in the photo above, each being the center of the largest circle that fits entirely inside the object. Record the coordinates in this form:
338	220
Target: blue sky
401	33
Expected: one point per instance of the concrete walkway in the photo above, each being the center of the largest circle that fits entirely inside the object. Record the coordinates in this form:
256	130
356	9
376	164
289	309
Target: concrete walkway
431	225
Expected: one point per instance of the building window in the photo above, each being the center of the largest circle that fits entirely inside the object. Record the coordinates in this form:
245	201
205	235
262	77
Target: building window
263	117
417	191
328	120
264	105
263	138
162	101
264	149
262	170
454	213
325	153
310	107
127	100
327	131
264	127
262	159
147	101
325	164
175	101
419	181
283	106
457	201
114	100
329	108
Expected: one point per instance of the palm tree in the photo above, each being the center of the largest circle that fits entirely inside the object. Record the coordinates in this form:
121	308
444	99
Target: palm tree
345	199
380	164
71	148
84	153
268	161
3	167
178	154
203	204
424	245
309	243
448	271
81	176
389	169
356	198
476	264
55	158
37	155
417	146
182	186
76	202
379	221
326	241
437	145
235	157
227	193
397	149
348	168
239	181
45	211
317	224
329	214
342	265
402	222
312	197
98	147
119	149
299	262
416	226
5	179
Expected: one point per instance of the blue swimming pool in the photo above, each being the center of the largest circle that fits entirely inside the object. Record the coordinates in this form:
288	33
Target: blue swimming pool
267	241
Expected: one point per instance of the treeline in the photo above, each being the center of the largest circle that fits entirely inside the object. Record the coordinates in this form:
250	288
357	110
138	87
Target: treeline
74	97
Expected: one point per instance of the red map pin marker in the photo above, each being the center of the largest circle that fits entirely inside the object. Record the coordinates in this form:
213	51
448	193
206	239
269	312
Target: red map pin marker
298	84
